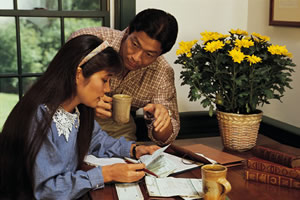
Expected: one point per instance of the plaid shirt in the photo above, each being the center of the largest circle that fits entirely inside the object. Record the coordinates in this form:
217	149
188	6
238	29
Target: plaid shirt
151	84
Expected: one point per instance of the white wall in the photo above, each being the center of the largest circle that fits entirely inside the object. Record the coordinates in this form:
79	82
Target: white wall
258	21
196	16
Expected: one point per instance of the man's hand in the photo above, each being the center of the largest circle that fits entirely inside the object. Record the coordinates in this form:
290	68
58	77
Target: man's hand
104	106
162	121
161	115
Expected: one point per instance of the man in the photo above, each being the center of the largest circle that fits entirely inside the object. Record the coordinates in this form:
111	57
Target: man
148	78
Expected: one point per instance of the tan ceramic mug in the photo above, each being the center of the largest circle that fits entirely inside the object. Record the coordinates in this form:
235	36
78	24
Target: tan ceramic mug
121	108
214	183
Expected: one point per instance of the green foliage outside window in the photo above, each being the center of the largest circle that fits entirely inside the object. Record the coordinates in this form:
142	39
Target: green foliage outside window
40	39
38	45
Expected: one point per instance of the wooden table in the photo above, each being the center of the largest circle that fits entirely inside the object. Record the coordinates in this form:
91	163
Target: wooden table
241	189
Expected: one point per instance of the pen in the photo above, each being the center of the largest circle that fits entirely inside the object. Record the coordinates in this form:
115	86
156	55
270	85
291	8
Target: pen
129	160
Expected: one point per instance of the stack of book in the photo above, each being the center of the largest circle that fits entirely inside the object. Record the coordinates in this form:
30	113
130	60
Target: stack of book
270	166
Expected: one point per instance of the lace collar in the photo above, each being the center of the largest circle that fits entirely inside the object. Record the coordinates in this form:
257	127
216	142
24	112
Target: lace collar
65	121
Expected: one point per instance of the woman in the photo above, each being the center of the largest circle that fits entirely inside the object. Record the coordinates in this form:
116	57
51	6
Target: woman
48	133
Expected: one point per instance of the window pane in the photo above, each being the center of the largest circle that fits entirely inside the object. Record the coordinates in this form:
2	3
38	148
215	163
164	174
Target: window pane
7	4
73	24
40	41
8	97
37	4
81	4
8	52
28	82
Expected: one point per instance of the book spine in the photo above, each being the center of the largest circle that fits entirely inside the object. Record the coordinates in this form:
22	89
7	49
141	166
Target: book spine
273	179
273	168
273	155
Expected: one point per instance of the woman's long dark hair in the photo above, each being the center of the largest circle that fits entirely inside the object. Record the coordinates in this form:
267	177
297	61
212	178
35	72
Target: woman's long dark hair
19	143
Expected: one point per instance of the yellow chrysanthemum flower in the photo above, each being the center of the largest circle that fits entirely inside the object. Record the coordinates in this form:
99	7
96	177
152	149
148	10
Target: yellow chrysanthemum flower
238	32
260	37
221	36
253	59
279	50
189	55
214	45
244	43
285	52
185	47
237	48
237	55
265	38
288	54
207	36
256	34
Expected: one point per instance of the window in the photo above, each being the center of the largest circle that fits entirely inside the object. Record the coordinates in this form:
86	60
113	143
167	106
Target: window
31	32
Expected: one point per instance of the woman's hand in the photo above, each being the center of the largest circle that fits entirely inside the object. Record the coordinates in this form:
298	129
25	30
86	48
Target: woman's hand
122	172
128	172
143	149
103	109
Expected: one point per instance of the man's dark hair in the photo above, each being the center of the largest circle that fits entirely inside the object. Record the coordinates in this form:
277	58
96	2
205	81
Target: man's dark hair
158	25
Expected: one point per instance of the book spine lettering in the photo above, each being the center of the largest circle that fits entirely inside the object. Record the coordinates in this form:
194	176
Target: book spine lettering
273	155
274	169
272	179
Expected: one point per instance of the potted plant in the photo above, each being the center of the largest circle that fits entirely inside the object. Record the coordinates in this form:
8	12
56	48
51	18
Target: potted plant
235	74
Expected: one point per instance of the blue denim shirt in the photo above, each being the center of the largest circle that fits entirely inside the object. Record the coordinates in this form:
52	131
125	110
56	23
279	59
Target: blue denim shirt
56	175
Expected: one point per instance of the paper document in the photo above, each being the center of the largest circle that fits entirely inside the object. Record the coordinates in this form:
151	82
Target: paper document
170	186
95	161
166	164
147	159
162	166
181	164
129	191
161	163
157	163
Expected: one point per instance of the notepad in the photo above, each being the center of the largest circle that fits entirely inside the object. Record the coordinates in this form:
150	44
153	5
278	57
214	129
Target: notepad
200	152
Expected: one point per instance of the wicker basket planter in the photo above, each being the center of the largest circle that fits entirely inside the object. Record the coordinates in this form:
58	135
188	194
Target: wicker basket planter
238	131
